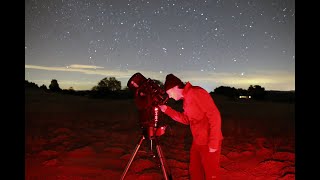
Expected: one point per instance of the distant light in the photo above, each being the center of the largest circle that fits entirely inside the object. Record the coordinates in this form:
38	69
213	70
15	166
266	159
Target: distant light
245	97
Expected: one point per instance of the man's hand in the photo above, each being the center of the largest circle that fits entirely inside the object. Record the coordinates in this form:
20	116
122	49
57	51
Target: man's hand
212	150
163	107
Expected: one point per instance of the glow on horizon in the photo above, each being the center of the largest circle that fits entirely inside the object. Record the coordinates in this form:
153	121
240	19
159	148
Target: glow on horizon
283	81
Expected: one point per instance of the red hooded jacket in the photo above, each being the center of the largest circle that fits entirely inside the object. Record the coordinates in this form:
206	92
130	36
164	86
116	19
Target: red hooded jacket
201	113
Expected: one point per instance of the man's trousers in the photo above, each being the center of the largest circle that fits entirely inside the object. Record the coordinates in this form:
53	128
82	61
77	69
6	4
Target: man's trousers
204	165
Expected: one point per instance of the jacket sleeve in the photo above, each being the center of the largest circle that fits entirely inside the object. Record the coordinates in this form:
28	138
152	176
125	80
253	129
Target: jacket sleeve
208	106
177	116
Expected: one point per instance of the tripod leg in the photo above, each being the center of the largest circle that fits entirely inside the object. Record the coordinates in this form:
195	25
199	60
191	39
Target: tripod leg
162	161
132	157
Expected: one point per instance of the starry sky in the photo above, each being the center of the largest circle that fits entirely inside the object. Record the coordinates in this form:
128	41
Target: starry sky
209	43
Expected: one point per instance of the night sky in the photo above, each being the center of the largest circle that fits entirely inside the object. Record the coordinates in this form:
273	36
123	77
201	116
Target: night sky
210	43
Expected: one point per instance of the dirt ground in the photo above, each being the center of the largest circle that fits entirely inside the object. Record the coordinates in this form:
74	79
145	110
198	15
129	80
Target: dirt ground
71	137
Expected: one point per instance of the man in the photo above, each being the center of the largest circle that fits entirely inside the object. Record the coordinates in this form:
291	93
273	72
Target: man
203	116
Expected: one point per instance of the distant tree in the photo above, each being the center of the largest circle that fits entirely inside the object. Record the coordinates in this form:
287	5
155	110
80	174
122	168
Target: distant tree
226	91
257	92
71	89
242	92
108	84
43	87
54	86
94	88
28	84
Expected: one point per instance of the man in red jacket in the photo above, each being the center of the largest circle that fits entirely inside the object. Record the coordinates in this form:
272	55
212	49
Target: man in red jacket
203	116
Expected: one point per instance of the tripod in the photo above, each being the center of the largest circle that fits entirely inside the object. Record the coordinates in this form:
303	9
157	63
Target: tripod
153	133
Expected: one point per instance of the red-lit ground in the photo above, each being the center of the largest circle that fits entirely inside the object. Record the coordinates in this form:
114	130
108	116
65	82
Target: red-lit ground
70	137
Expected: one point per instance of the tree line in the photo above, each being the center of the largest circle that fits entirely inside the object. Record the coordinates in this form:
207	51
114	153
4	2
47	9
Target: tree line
110	87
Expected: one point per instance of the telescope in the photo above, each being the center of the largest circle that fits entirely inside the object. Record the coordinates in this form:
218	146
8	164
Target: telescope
149	96
139	84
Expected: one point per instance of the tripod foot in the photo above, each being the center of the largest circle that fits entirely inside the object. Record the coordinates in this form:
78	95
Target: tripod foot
132	157
164	167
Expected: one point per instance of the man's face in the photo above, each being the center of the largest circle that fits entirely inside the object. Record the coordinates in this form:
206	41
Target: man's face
174	93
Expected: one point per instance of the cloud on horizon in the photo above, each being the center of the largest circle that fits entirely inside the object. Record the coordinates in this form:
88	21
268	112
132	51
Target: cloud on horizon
81	66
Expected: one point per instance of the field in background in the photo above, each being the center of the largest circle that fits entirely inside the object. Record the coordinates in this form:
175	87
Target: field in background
61	128
242	117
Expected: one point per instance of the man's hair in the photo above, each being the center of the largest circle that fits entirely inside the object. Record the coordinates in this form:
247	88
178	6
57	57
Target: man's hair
172	81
